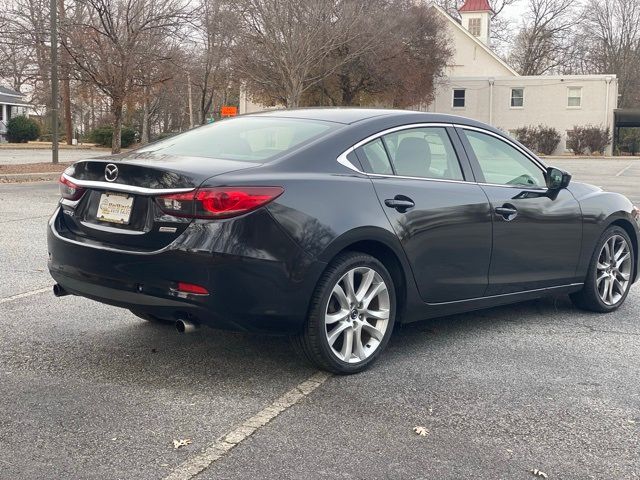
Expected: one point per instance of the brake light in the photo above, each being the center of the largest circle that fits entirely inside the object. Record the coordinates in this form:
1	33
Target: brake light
69	190
218	202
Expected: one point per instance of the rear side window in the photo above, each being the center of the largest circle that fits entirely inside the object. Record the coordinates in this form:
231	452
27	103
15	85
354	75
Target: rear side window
423	152
374	159
251	139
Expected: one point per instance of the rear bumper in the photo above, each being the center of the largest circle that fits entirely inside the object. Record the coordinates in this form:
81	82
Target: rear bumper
265	286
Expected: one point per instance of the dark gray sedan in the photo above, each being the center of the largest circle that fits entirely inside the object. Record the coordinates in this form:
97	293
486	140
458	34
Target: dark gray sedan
331	225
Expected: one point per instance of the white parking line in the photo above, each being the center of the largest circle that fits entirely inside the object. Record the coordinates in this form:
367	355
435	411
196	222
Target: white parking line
623	171
25	294
217	450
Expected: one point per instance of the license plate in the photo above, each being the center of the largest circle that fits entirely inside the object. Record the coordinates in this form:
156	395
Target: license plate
115	208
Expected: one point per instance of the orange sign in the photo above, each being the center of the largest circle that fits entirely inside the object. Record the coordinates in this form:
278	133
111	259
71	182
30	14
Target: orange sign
228	111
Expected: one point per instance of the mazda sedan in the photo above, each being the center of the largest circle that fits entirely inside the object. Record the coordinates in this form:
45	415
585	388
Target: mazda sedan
333	225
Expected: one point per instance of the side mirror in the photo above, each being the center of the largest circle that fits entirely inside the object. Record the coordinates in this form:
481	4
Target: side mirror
557	179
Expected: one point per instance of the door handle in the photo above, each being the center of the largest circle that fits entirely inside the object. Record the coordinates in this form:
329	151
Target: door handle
508	212
400	203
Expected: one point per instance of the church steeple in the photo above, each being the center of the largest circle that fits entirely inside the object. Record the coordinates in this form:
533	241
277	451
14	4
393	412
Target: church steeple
476	18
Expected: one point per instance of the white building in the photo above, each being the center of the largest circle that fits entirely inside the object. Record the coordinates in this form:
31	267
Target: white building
11	105
480	85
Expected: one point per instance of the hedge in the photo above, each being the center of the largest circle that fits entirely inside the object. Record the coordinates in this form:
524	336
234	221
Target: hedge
21	129
103	136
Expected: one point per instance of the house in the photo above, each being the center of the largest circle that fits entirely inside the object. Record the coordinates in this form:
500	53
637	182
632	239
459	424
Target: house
480	85
11	105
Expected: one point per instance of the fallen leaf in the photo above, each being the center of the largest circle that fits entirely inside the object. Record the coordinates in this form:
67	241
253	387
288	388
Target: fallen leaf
538	473
509	450
423	432
181	443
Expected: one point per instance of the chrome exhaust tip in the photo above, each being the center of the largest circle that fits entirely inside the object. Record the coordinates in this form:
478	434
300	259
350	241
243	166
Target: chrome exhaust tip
185	326
59	291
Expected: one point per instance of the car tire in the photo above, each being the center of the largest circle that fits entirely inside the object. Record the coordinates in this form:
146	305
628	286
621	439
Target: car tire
605	270
150	318
347	328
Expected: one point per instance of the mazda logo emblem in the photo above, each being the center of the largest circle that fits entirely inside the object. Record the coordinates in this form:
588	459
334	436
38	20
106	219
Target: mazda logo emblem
111	172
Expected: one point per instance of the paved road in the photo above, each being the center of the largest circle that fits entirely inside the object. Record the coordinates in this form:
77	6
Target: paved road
90	391
621	176
13	156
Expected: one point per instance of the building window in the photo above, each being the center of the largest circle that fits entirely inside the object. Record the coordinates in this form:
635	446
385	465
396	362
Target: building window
575	97
475	25
459	97
517	97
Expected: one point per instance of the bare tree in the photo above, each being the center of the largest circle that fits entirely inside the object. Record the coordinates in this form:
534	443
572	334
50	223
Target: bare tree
117	43
210	72
544	41
410	49
611	44
25	44
282	43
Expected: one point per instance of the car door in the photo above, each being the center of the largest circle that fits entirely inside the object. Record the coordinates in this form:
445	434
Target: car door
536	232
439	213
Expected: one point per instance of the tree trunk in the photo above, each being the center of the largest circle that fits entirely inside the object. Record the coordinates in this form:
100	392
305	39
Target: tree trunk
144	137
66	87
190	100
116	110
293	98
66	102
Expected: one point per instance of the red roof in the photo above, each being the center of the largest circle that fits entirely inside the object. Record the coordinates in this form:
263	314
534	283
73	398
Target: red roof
476	6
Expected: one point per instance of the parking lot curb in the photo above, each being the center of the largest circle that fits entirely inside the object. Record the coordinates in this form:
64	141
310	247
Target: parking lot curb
28	177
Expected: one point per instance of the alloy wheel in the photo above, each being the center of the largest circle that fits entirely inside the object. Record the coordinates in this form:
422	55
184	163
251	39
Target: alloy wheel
357	315
614	270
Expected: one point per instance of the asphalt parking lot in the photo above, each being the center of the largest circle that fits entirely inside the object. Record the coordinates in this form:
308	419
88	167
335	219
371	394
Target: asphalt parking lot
89	391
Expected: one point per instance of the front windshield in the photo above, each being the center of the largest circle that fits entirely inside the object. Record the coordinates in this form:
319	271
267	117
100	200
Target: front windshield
251	139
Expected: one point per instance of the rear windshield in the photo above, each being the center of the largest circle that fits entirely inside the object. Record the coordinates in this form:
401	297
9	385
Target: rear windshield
252	139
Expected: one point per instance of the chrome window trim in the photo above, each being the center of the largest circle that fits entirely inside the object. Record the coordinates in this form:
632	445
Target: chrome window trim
343	160
117	187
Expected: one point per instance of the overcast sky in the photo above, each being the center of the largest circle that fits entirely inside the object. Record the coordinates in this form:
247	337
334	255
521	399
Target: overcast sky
516	10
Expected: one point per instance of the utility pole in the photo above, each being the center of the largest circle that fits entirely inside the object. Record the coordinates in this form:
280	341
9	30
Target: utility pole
54	81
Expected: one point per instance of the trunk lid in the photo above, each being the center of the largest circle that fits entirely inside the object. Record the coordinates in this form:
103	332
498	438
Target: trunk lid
118	208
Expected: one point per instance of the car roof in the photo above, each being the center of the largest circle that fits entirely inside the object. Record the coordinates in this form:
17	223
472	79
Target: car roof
337	114
352	115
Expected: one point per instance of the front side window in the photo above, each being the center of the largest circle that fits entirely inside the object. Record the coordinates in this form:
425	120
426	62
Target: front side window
459	98
502	164
517	97
475	25
251	139
575	97
423	152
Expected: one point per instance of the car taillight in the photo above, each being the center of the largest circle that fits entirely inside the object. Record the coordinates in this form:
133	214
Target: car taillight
218	202
69	190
